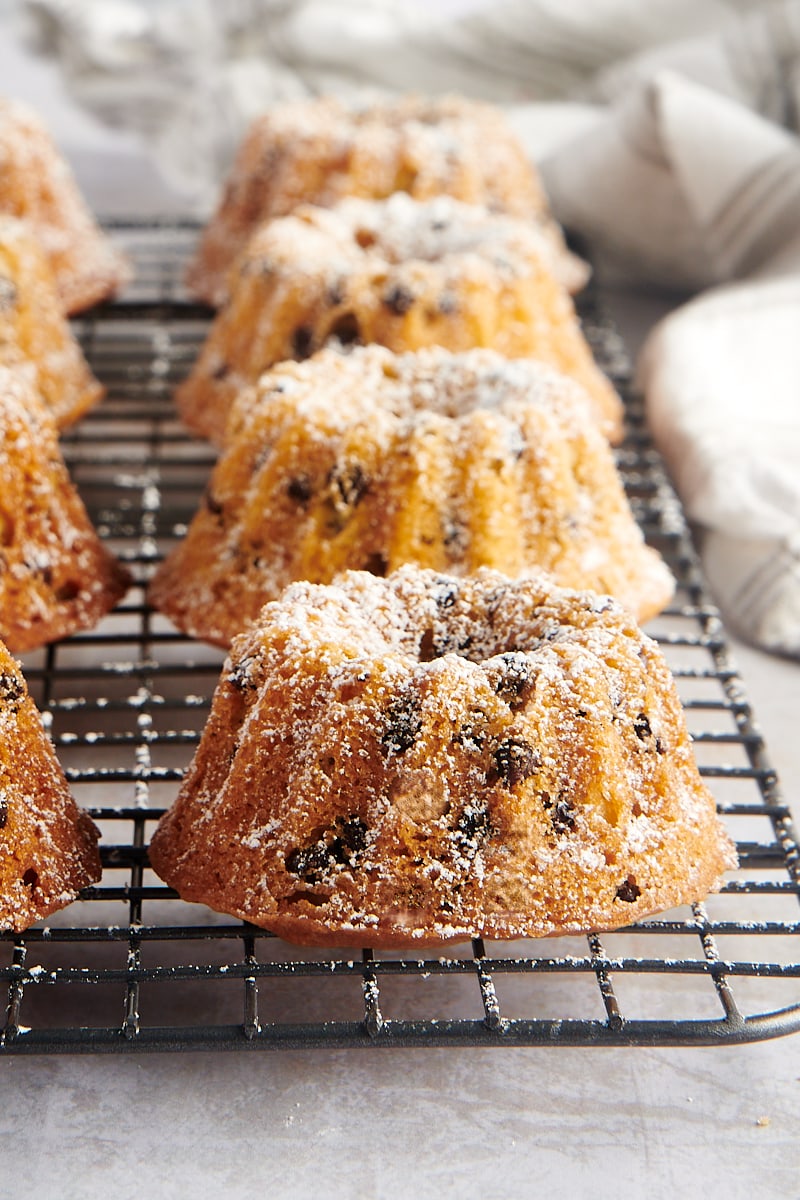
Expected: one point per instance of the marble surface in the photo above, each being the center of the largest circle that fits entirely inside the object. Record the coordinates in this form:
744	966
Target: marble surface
488	1123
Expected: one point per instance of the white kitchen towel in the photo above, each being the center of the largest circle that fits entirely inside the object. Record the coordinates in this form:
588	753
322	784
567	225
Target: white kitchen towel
190	74
688	177
685	186
722	376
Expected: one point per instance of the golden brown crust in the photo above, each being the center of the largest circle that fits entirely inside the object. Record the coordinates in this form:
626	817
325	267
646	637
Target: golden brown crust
34	330
56	575
37	184
370	460
320	151
48	846
423	759
401	273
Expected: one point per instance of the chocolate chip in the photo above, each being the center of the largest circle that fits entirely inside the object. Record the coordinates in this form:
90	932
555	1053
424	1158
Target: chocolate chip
446	594
299	489
31	878
515	677
350	839
340	846
8	294
641	727
308	863
403	723
69	591
12	690
515	761
472	733
434	645
221	371
399	299
349	482
428	648
562	814
456	537
628	890
474	826
376	564
243	674
346	329
302	340
212	504
3	812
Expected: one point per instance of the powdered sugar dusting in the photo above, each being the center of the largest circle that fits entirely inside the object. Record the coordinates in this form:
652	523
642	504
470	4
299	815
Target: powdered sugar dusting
57	576
371	459
445	757
320	151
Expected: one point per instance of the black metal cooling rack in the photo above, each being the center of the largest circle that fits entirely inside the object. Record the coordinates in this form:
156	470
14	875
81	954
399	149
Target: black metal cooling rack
130	967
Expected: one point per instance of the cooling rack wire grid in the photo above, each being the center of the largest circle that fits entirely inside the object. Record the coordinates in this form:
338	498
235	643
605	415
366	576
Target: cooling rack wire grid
131	968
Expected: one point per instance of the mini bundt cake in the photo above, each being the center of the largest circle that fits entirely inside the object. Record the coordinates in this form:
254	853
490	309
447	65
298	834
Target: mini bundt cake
55	575
34	330
369	459
48	846
399	272
319	151
37	184
424	758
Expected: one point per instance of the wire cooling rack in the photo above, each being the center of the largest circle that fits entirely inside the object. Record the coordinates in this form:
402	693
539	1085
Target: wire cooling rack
130	967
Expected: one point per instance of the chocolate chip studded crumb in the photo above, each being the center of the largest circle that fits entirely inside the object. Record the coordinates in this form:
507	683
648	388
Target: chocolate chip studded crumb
348	482
403	724
244	674
641	727
346	329
351	839
628	890
299	489
515	761
456	537
473	828
12	691
472	733
339	846
68	591
399	300
515	677
447	594
562	813
428	646
302	341
309	863
377	564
